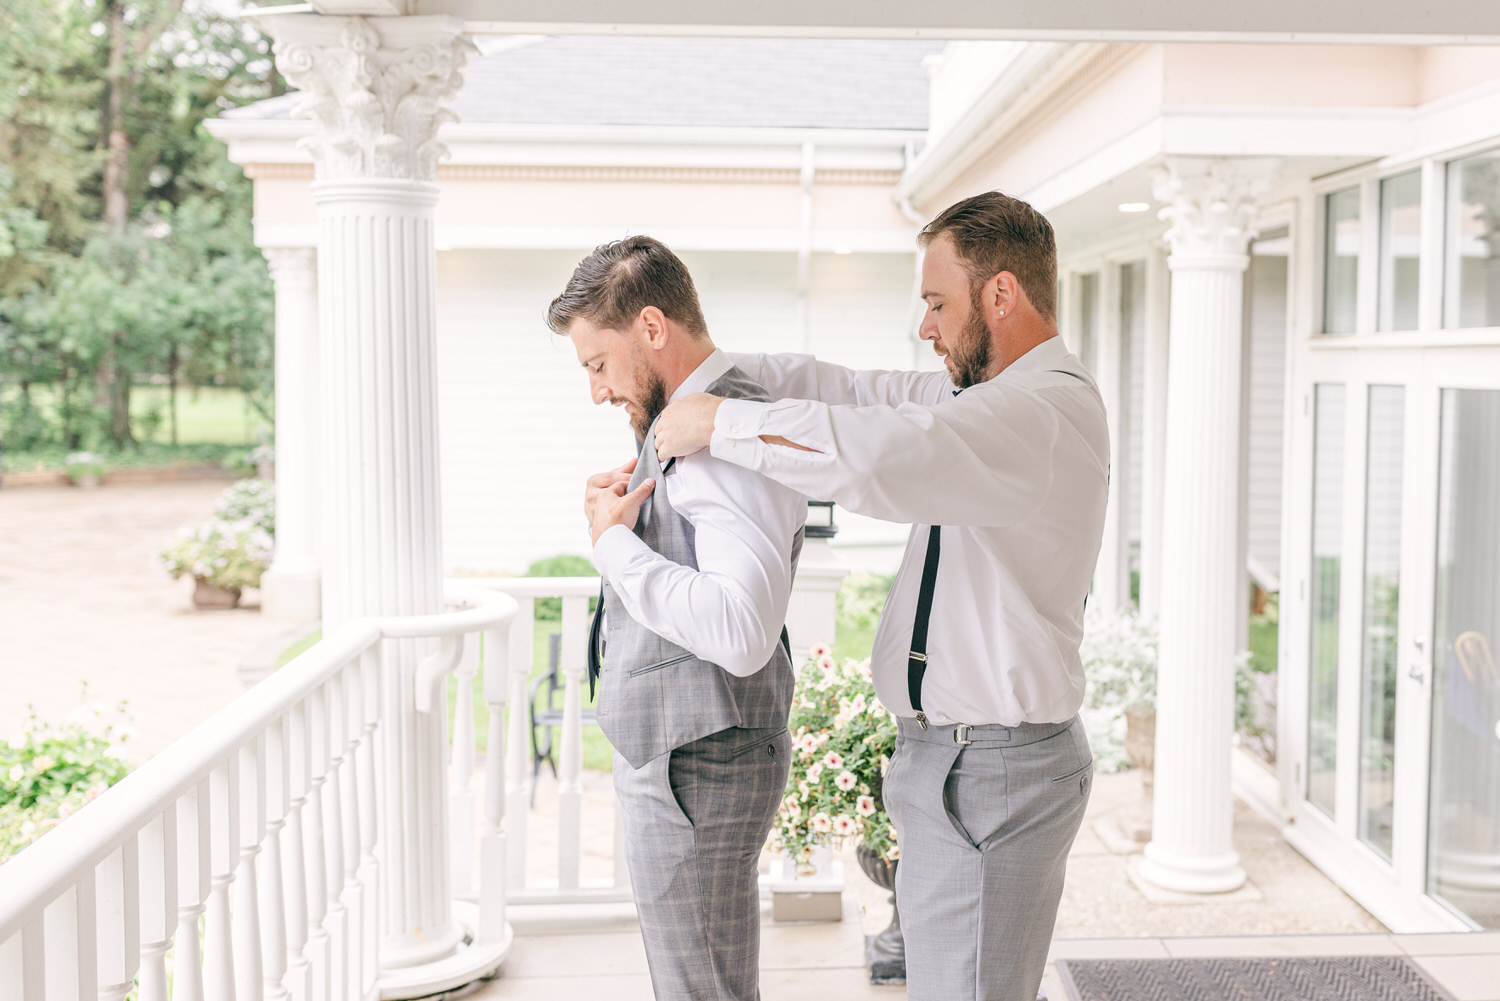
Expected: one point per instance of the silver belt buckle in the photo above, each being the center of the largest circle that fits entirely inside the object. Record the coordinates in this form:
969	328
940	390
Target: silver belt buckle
961	734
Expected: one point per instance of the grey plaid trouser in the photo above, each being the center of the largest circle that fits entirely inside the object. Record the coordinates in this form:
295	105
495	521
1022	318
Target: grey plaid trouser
696	820
984	831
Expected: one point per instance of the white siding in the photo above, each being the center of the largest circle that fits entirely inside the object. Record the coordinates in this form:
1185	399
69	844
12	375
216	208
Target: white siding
518	431
1267	331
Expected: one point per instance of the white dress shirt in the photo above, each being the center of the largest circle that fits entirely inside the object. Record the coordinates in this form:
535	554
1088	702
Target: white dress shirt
1015	470
729	611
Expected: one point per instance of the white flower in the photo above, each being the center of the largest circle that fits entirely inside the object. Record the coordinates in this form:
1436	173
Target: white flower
791	808
821	823
894	853
833	759
846	781
17	742
814	772
820	650
807	743
17	773
857	704
822	739
844	825
43	762
826	663
865	806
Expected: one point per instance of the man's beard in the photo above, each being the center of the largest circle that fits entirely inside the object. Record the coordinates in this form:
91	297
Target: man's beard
649	403
971	359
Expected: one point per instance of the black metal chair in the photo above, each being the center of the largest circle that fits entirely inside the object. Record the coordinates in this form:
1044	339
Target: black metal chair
546	713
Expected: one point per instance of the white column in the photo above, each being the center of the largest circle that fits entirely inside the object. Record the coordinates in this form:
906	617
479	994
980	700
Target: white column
1210	203
290	589
1153	437
377	87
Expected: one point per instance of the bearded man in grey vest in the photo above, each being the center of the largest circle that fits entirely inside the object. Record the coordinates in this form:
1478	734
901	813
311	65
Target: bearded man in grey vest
688	645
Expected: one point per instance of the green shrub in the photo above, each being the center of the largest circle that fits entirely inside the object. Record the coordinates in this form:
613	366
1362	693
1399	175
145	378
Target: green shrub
47	772
550	609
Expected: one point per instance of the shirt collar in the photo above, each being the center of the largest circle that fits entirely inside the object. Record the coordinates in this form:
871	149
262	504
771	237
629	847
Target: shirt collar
705	375
1049	354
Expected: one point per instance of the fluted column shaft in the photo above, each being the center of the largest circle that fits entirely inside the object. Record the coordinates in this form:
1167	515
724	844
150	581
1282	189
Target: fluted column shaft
1210	205
377	89
290	589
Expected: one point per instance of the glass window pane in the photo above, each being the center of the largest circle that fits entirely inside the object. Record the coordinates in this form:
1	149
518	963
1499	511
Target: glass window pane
1327	552
1471	296
1377	727
1340	260
1463	843
1400	242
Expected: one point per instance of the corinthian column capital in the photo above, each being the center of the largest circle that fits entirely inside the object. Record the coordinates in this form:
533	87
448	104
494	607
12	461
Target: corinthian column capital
292	265
377	87
1211	204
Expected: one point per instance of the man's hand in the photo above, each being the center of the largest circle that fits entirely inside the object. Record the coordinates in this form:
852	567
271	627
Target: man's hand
686	425
614	505
611	481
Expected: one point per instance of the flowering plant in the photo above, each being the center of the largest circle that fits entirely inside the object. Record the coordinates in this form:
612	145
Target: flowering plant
47	772
232	550
842	739
1119	652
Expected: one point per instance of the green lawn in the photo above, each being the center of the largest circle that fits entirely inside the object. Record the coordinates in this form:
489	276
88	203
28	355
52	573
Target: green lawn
207	414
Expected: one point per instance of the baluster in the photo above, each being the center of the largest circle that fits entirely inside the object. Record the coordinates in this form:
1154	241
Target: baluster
22	962
69	930
492	840
294	873
158	882
224	857
352	706
312	841
570	756
194	856
273	905
460	791
518	744
249	975
337	919
118	941
367	783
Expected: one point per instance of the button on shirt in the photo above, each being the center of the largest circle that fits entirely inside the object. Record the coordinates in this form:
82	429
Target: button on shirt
730	610
1015	470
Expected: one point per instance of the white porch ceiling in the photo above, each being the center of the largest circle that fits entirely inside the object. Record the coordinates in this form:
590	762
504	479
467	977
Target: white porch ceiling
1391	21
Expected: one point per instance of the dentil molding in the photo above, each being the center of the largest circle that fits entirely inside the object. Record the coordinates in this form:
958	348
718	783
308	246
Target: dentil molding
377	88
1211	204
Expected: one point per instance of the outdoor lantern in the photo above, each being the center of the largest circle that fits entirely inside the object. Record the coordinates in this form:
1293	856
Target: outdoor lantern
820	520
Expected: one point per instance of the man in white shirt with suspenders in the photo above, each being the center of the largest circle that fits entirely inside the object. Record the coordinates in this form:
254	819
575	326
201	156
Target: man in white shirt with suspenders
1002	463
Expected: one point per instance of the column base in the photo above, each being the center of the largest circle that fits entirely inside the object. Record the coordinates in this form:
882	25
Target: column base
473	960
292	595
1192	873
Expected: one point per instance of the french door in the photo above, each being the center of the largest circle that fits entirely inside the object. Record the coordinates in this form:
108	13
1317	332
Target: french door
1392	699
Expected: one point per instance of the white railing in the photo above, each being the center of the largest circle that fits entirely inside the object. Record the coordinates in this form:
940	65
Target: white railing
242	860
569	883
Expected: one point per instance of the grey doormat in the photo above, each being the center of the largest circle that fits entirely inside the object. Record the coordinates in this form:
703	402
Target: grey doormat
1312	978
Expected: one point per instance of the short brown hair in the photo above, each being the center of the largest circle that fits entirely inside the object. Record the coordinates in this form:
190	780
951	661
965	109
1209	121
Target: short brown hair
992	233
612	285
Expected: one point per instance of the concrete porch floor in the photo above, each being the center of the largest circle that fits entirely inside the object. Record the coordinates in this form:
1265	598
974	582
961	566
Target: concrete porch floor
1289	909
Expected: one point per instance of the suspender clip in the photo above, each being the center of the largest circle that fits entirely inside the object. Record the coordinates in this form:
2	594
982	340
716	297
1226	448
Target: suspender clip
913	655
961	734
922	720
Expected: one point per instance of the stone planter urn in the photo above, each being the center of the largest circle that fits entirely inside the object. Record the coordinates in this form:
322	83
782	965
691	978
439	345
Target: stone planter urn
1140	747
206	595
885	953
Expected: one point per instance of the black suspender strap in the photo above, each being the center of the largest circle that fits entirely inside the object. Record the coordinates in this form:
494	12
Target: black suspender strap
916	664
596	640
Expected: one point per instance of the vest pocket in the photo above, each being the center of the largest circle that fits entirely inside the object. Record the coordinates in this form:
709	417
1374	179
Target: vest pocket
659	665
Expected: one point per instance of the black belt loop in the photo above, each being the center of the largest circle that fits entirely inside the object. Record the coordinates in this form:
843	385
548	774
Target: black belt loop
916	664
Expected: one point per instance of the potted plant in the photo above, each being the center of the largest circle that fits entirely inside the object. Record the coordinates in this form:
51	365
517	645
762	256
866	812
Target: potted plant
85	469
842	739
230	552
1119	653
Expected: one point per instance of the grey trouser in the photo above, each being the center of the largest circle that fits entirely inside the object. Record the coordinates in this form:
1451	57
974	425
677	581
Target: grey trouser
696	820
984	831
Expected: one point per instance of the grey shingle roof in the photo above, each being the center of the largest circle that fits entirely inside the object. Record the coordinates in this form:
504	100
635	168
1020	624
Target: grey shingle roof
733	82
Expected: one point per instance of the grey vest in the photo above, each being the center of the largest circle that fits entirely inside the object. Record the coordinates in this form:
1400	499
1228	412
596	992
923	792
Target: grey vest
655	695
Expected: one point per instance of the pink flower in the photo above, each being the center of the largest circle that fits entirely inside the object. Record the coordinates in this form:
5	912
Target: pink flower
821	650
865	806
822	823
833	759
814	773
807	743
846	781
894	853
844	825
791	808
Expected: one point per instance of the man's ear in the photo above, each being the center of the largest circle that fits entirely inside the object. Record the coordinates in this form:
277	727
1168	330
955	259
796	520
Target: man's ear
1002	296
653	326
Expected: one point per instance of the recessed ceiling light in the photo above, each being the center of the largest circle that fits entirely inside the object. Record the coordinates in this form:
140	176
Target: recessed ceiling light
1135	206
843	250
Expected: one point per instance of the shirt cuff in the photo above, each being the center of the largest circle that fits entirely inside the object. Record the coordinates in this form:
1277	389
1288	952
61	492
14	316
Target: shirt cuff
615	549
737	423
